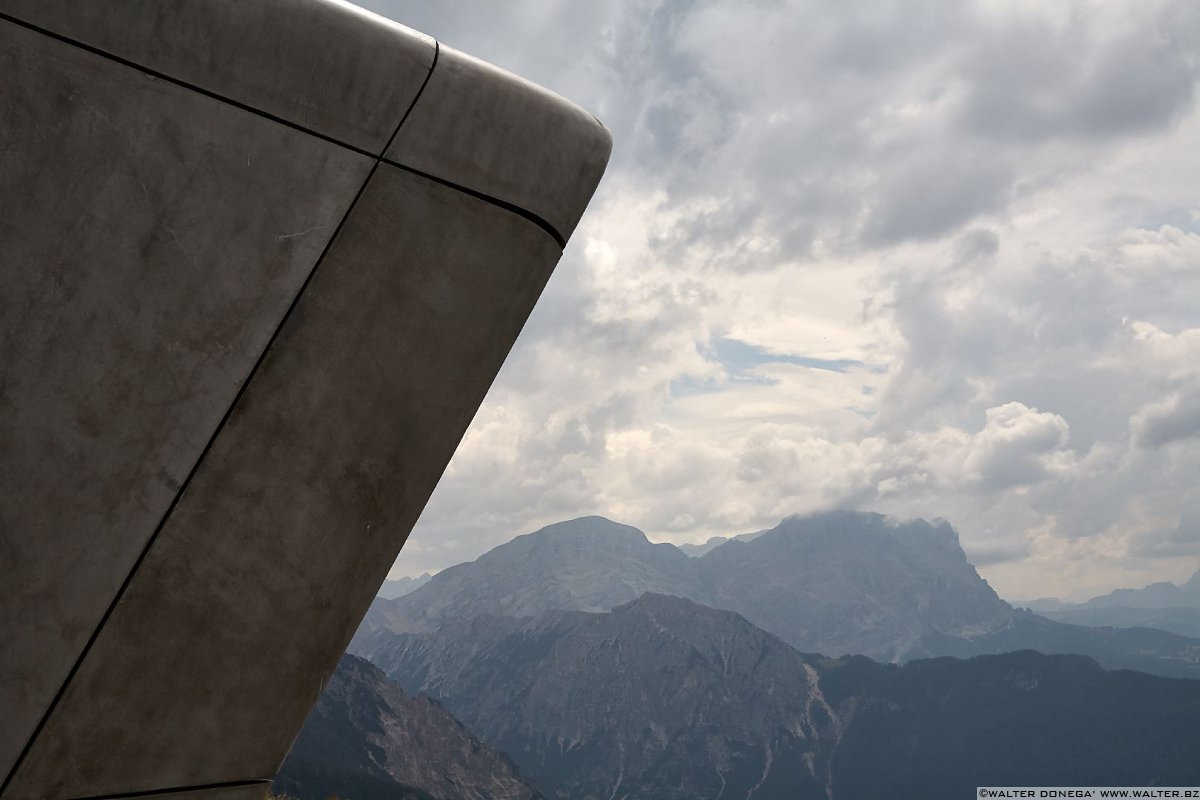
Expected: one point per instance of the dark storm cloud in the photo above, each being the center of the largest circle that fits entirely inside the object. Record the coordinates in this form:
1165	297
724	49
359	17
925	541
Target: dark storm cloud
975	246
1172	419
935	196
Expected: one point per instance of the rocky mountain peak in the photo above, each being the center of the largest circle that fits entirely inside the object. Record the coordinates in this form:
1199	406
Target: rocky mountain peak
592	528
852	582
585	564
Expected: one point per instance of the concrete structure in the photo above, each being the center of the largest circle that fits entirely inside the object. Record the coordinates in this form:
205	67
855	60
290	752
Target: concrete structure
260	263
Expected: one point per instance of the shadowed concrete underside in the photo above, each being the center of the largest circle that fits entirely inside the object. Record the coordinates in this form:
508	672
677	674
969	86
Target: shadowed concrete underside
262	262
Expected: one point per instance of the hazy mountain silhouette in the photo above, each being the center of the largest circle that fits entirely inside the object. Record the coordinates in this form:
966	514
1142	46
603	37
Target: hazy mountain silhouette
697	550
838	583
855	583
1154	596
1164	606
402	586
1180	621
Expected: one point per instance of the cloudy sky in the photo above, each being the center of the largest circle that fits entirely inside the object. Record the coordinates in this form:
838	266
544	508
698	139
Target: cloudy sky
934	259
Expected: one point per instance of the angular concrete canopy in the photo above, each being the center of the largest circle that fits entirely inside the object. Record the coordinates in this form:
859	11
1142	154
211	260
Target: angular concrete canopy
261	263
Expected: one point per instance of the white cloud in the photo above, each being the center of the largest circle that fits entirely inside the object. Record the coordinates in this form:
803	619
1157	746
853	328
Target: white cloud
1018	446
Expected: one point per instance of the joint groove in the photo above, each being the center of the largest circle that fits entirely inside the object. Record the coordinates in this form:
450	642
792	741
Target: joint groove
179	790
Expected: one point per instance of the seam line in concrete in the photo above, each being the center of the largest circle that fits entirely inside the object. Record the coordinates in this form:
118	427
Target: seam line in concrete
184	84
487	198
179	789
183	487
515	209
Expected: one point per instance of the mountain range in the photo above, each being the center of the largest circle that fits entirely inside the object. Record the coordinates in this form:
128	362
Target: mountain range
665	699
840	583
609	667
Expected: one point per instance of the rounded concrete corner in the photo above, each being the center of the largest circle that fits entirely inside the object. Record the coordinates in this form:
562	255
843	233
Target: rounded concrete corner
323	65
482	128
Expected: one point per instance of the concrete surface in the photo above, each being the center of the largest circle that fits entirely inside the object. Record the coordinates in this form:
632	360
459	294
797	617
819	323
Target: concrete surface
512	140
324	65
296	513
148	257
217	433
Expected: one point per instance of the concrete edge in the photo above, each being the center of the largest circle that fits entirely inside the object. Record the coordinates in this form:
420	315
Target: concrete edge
541	153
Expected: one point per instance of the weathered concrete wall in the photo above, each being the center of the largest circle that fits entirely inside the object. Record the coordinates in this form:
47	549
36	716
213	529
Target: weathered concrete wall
261	262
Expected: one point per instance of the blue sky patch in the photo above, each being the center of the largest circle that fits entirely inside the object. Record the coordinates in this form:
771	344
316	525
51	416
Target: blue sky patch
739	358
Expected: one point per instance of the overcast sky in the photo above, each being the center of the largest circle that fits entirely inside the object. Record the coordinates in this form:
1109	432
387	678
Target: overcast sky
934	259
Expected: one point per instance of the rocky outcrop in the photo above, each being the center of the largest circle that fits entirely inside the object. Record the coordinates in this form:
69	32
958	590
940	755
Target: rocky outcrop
366	739
659	698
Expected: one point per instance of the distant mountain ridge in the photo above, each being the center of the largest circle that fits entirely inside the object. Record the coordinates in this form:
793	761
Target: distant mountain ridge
838	583
1156	595
665	699
1163	606
399	587
697	550
1180	621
